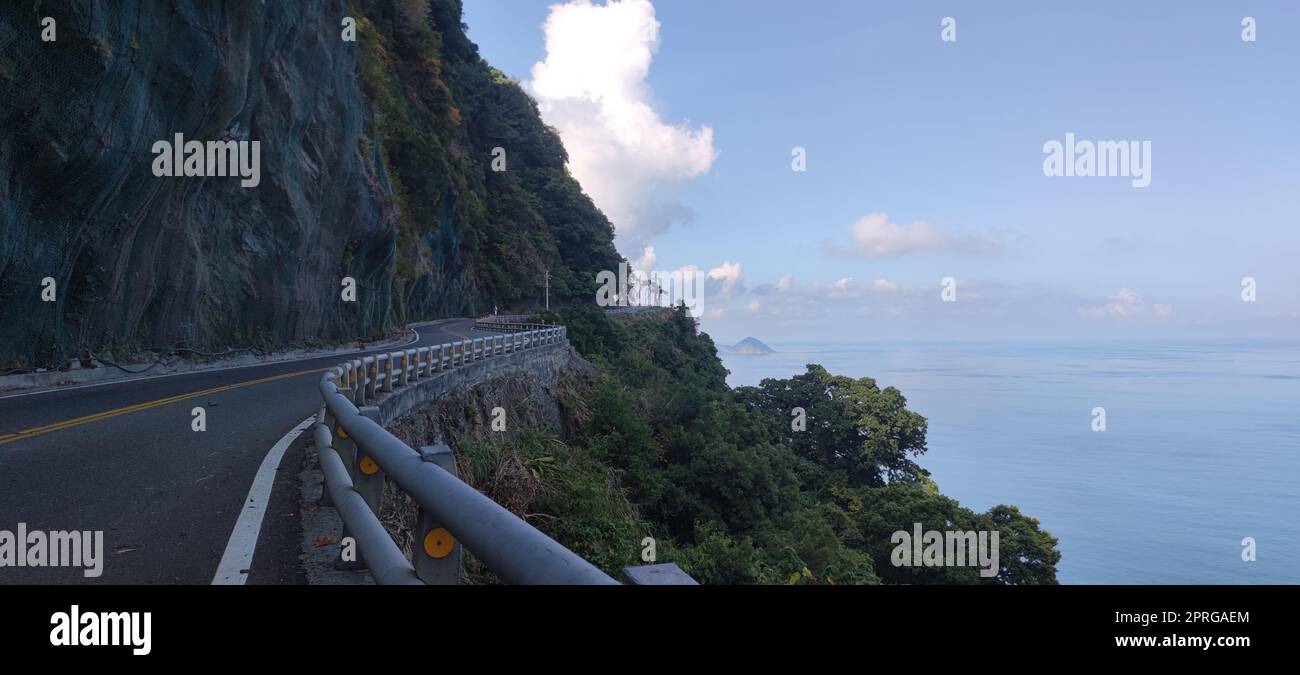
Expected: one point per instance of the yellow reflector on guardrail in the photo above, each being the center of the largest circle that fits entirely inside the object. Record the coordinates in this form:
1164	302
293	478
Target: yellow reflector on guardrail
438	543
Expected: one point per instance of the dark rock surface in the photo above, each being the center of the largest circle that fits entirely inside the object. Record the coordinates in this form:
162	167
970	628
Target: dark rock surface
147	262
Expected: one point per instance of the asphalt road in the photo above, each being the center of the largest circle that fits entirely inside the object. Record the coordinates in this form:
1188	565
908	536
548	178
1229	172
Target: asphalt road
122	458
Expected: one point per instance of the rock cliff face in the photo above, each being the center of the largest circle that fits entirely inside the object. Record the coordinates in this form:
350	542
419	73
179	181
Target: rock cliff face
375	164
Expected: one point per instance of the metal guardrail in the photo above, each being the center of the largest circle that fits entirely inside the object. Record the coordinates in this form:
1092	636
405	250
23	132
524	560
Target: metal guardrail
357	453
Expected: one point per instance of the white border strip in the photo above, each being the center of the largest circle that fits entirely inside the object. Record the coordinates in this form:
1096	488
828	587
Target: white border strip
343	355
237	561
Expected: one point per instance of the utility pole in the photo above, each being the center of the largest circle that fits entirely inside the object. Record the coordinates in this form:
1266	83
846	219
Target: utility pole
547	278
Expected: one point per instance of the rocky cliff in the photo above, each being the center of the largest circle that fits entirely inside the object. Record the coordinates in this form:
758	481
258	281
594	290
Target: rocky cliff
375	162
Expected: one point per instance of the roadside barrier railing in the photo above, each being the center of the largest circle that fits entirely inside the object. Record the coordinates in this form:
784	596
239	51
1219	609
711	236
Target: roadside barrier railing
357	455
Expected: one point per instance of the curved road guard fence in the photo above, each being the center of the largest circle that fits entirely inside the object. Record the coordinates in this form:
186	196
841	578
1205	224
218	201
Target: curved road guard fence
357	453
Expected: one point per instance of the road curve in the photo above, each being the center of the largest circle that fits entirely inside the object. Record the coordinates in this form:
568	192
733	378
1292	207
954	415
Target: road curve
122	458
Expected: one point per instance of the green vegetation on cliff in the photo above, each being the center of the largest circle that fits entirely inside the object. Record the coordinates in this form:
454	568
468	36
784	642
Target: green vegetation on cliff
442	116
729	491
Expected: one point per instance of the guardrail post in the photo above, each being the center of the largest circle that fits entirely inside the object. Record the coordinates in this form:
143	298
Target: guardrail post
330	423
435	553
372	377
388	370
362	375
367	477
347	451
359	395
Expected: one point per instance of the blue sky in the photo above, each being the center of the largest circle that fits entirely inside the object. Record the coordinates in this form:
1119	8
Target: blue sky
946	138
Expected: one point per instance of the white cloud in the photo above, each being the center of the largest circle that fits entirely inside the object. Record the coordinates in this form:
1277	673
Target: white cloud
875	236
646	263
884	285
785	283
1123	305
753	305
731	277
843	287
592	88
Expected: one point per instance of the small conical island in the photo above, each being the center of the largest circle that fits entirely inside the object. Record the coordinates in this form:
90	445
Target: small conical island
749	346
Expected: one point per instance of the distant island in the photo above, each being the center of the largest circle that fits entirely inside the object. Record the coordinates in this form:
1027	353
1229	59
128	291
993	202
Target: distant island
748	347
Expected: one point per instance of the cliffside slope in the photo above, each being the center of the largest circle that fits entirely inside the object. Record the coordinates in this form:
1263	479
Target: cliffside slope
375	164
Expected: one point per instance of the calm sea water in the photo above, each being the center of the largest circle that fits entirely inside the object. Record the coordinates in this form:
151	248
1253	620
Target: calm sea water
1202	446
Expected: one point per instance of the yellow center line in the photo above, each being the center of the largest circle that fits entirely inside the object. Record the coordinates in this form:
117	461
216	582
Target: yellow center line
96	417
457	333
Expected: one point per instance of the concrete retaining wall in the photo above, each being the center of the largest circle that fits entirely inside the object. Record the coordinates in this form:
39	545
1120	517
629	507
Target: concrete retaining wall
543	362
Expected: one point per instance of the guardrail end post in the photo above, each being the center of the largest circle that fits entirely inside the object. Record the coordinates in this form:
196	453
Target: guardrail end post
663	574
435	553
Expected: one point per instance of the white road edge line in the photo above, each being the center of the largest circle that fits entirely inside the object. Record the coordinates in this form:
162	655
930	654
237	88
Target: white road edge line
238	558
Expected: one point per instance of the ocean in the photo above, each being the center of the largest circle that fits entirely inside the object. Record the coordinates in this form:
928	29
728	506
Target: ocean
1201	447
